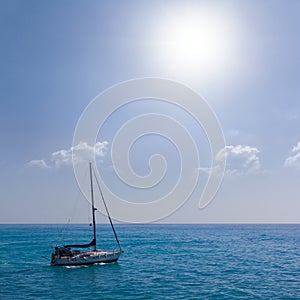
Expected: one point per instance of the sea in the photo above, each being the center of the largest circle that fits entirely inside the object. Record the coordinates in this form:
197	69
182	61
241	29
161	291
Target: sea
159	262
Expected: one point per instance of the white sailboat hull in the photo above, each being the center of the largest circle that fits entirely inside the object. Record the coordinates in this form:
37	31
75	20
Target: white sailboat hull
86	258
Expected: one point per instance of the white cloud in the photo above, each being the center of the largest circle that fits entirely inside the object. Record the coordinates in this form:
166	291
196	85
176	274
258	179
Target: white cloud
293	161
62	157
80	153
85	152
240	159
38	163
296	148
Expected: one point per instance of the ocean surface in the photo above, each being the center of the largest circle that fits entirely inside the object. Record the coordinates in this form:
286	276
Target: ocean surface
159	262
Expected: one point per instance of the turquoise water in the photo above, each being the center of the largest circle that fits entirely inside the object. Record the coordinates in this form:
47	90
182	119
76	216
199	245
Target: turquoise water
159	262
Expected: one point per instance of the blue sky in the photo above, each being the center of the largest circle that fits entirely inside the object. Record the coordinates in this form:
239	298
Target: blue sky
56	56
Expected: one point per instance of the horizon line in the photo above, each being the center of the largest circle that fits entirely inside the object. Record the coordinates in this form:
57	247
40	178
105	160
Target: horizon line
175	223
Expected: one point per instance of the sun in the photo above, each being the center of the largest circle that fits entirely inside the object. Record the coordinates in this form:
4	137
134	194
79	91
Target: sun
192	41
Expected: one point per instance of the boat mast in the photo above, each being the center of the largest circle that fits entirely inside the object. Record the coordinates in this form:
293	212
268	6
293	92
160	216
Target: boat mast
108	215
93	206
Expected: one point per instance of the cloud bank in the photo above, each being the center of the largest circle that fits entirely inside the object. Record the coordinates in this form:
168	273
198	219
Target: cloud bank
80	153
293	161
240	159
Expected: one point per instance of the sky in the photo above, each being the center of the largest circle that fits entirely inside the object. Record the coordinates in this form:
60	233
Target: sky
242	57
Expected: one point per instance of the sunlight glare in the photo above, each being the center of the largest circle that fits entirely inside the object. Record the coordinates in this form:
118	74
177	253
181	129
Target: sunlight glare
196	41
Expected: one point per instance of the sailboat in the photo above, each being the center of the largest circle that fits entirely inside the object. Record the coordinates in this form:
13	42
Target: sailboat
67	256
